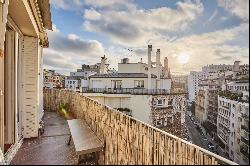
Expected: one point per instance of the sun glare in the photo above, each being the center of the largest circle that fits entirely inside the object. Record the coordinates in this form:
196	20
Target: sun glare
183	58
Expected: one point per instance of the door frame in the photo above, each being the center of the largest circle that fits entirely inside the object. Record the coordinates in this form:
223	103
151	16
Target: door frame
18	37
3	19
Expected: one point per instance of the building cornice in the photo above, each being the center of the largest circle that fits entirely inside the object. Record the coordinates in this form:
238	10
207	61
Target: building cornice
34	5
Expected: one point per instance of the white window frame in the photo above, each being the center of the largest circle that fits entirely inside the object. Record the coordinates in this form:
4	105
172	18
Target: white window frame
116	84
139	84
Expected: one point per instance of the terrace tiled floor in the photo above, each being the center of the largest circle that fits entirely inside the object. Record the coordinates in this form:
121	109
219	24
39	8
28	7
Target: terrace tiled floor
51	148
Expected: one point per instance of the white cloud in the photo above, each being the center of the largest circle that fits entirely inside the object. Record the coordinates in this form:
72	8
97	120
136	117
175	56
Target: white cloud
68	53
92	14
239	8
68	4
127	26
135	27
115	4
79	5
207	48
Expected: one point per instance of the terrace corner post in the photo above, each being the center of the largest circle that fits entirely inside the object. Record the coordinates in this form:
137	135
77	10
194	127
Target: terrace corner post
3	20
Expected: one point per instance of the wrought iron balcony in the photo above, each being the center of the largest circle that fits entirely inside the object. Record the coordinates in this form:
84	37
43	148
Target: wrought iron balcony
244	115
244	151
246	128
134	91
245	141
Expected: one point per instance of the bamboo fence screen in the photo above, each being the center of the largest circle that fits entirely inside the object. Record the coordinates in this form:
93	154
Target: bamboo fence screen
128	141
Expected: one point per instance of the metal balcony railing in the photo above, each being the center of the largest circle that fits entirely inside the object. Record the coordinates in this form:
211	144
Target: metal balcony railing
244	115
244	151
129	141
244	140
246	128
135	91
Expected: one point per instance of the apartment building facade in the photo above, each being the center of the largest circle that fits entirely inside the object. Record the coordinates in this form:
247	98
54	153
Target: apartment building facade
233	122
139	75
180	82
214	72
201	104
132	84
79	80
23	25
51	79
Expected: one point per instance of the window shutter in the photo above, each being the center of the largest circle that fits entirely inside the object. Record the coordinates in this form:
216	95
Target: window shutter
30	87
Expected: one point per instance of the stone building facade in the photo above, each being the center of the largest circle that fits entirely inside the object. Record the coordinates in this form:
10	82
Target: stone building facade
168	113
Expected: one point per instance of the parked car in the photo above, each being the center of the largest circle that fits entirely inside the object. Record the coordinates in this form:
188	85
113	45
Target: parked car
204	138
211	146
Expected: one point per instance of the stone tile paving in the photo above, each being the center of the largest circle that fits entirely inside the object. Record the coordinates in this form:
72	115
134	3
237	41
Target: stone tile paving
51	148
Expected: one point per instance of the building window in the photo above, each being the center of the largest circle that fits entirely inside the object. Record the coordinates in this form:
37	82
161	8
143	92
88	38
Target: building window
160	102
116	84
170	102
139	84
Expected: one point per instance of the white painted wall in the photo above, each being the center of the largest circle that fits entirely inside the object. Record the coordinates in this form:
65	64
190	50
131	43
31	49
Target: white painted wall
82	73
126	82
140	111
71	84
132	68
40	82
193	81
84	83
141	107
166	84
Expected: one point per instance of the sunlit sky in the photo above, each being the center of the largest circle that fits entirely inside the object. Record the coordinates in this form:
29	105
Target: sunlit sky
191	33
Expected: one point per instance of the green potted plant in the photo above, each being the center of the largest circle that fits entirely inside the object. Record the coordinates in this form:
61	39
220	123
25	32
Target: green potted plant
64	111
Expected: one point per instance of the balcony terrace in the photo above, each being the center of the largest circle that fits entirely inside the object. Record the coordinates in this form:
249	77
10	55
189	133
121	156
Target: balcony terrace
127	140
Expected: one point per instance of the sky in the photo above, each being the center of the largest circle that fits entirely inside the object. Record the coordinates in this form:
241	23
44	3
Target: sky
191	33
